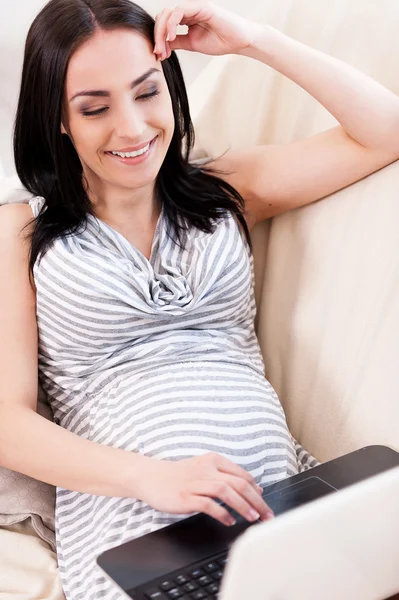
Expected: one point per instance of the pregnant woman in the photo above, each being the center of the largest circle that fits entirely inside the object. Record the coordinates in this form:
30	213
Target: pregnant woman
131	287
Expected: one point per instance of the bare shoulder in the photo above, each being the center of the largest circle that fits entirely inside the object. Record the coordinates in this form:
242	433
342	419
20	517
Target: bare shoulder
18	292
14	228
14	217
15	220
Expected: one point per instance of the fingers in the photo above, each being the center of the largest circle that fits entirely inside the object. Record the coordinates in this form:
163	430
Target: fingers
181	42
243	483
173	21
165	30
160	32
217	477
228	466
237	494
213	509
248	495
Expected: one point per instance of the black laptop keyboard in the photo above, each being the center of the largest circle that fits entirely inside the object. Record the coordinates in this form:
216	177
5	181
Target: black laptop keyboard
199	581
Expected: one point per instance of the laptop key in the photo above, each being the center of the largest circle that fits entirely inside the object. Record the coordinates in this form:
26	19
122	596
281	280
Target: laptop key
204	580
190	586
175	593
217	575
181	579
199	595
213	588
167	585
155	594
196	573
211	566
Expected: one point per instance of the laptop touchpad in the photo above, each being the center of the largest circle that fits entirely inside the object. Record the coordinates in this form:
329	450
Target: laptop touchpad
296	494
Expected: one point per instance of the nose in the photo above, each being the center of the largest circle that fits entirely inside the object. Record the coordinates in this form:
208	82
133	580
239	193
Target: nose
129	122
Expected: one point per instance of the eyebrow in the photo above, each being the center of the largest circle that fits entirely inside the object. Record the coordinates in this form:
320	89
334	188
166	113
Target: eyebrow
104	93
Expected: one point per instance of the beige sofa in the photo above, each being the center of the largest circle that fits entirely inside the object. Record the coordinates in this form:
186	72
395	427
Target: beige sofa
327	275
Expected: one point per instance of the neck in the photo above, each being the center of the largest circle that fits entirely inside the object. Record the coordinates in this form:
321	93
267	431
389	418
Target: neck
119	206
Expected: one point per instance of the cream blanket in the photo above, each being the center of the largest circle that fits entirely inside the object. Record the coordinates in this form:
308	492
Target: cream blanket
28	566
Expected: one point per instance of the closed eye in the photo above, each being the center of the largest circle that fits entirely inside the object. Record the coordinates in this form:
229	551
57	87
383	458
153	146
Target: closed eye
92	113
100	111
149	95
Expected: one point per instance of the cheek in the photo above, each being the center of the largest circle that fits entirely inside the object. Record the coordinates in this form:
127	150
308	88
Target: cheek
87	139
168	121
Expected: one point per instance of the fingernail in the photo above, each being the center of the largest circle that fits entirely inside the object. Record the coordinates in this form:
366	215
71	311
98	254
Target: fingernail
253	515
269	515
232	521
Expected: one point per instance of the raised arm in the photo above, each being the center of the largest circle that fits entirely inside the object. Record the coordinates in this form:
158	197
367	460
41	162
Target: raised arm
274	179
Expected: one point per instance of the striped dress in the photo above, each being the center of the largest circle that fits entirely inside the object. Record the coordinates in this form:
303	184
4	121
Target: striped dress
154	356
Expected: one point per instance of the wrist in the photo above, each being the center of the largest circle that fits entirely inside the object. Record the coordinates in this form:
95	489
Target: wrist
134	473
264	37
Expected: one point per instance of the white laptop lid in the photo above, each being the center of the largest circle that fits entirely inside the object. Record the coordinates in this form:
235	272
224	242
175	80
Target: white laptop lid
342	546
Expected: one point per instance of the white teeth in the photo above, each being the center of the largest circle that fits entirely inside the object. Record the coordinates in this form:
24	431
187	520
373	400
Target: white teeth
131	154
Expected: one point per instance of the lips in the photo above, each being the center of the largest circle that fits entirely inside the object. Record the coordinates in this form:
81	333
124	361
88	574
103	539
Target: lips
132	148
133	160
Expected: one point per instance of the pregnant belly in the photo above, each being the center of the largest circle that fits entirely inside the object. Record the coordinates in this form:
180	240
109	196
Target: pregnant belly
189	409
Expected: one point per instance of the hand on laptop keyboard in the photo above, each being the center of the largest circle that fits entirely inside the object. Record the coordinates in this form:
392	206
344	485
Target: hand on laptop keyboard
194	484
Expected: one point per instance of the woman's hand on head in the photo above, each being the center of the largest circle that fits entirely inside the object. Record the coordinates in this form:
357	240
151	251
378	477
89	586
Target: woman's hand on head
211	30
192	485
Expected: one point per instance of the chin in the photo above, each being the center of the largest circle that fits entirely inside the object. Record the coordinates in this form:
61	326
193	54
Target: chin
140	177
133	183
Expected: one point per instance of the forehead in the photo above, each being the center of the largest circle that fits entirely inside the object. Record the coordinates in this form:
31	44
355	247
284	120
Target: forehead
109	59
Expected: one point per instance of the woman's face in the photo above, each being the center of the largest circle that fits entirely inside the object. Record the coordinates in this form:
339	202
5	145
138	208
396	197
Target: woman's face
118	110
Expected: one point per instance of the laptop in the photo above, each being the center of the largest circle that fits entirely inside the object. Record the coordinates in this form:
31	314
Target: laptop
186	560
342	546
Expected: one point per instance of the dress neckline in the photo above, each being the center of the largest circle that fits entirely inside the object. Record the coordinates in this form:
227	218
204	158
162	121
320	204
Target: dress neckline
129	244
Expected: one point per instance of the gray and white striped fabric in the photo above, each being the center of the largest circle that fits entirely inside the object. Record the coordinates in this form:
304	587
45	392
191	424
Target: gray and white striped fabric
153	356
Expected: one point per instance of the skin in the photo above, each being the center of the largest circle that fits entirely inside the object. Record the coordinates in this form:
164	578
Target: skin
122	195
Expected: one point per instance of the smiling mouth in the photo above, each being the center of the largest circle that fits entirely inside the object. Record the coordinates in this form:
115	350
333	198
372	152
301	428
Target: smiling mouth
133	157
